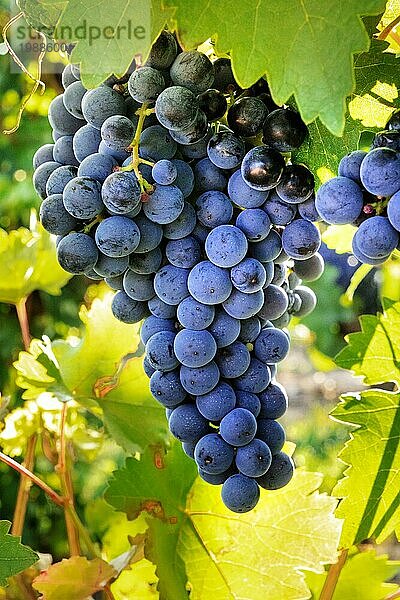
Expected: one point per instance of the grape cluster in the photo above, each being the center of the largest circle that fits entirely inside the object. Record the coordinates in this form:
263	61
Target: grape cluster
366	193
186	205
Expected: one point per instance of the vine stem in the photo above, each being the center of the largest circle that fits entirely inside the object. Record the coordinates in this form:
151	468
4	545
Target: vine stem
23	320
389	29
66	487
393	596
142	113
56	498
333	576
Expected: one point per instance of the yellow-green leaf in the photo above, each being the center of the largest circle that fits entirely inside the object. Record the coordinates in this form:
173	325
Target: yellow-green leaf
14	556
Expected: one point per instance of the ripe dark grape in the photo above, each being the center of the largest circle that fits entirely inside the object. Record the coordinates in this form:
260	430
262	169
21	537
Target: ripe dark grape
262	168
246	116
284	130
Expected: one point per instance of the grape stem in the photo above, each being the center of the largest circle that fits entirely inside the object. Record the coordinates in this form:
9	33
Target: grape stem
389	29
333	576
145	187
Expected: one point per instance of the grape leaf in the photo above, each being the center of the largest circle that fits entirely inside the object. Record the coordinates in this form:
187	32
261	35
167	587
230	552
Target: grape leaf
93	369
370	487
375	97
14	556
110	53
28	262
374	352
42	15
83	576
291	529
339	238
363	577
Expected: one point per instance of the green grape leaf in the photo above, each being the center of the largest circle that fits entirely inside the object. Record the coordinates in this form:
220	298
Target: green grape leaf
28	262
14	556
98	368
370	105
370	487
42	15
363	577
374	352
108	38
290	530
77	573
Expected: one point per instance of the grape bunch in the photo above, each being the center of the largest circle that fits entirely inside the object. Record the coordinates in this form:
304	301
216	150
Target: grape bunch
366	193
174	186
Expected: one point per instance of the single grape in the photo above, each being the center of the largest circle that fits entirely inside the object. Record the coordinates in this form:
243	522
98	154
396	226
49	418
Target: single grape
243	306
233	360
226	246
185	253
246	116
387	139
240	493
279	474
54	218
59	178
275	303
213	208
219	478
137	286
238	427
160	351
167	389
217	403
262	168
209	284
254	459
117	236
350	164
62	151
301	239
200	380
296	184
184	178
67	76
77	252
208	176
224	79
176	107
242	194
195	315
255	379
194	132
146	84
284	130
127	310
224	328
86	141
72	99
100	103
187	424
339	201
271	346
117	132
121	192
97	166
394	122
158	308
226	150
380	172
213	455
164	172
163	51
279	211
150	234
45	154
310	269
171	284
248	276
193	70
213	103
254	223
273	401
164	204
194	348
272	433
308	301
249	330
376	238
153	325
249	401
61	120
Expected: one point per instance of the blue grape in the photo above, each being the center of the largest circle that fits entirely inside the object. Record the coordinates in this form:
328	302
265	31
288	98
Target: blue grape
308	300
184	178
97	166
246	116
115	283
238	427
146	263
310	269
308	210
272	433
62	151
150	234
376	238
213	209
195	315
156	143
350	164
200	380
53	216
280	273
194	348
216	479
86	142
117	132
183	253
226	246
160	351
296	184
271	346
226	150
187	447
176	107
224	328
117	236
242	194
200	232
275	303
273	401
254	459
248	276
164	172
279	474
284	130
127	310
279	211
209	284
67	76
267	249
120	156
249	330
213	455
187	424
194	132
194	70
269	268
59	178
217	403
183	225
255	379
163	51
197	150
61	120
249	401
72	98
167	389
137	286
262	168
209	177
160	309
45	154
153	325
146	84
254	223
121	192
339	201
243	306
77	252
380	172
240	493
111	267
164	205
233	360
301	239
82	198
100	103
393	211
171	284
